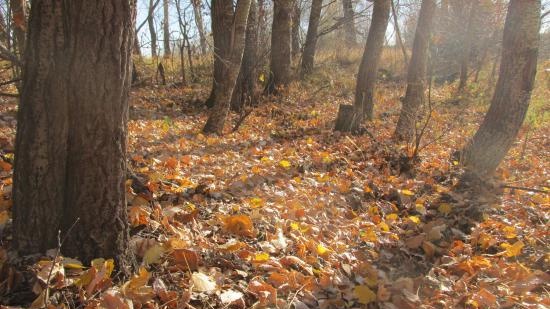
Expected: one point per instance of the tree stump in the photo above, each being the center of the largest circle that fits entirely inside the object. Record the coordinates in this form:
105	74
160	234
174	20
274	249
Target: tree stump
346	121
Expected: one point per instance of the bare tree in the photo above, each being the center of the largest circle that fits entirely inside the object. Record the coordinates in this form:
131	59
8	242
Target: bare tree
152	30
416	77
19	17
467	50
510	102
308	56
280	63
197	10
231	63
67	167
349	23
296	15
166	28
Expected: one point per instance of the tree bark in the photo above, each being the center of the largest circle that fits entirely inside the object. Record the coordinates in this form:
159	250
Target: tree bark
416	77
368	69
70	162
398	34
308	57
510	102
468	37
152	31
166	28
200	25
19	17
231	62
245	88
137	48
280	62
222	20
296	14
349	23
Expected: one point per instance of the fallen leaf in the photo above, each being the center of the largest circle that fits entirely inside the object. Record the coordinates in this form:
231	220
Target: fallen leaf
364	294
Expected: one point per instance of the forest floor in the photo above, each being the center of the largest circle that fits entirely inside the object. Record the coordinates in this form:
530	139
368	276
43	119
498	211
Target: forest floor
286	213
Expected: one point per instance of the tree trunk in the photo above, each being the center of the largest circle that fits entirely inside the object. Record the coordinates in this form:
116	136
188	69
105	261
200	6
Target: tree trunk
416	77
510	102
166	28
280	62
231	64
19	17
468	37
152	31
137	48
349	23
222	20
245	89
398	34
368	69
296	14
308	57
70	162
199	23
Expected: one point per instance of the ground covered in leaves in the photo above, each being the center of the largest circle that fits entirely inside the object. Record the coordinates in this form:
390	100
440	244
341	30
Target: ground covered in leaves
286	213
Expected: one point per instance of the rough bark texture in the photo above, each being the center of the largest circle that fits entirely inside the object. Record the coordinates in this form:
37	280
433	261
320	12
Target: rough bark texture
280	62
136	50
70	160
152	31
308	57
510	102
349	23
197	10
19	17
368	69
222	20
416	77
231	63
296	15
166	28
468	37
245	88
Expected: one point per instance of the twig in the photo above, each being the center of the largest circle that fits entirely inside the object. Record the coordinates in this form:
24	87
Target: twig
57	251
15	80
241	120
11	95
525	189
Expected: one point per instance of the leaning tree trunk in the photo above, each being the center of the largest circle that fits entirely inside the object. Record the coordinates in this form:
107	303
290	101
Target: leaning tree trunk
398	34
166	29
467	49
152	31
349	23
368	69
280	62
200	25
222	20
70	162
19	17
416	77
230	69
308	57
245	88
296	14
495	136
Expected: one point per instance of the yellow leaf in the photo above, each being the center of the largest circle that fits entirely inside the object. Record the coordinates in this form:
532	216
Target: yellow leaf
392	217
284	163
262	77
364	294
407	192
256	202
514	249
420	209
153	254
322	250
414	219
445	208
384	227
369	235
261	257
509	232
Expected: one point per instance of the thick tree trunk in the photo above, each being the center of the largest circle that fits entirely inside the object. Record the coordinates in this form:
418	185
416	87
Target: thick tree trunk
166	28
19	17
197	5
368	69
416	78
152	30
230	68
349	23
245	88
468	37
222	20
296	14
308	57
510	102
280	62
70	162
